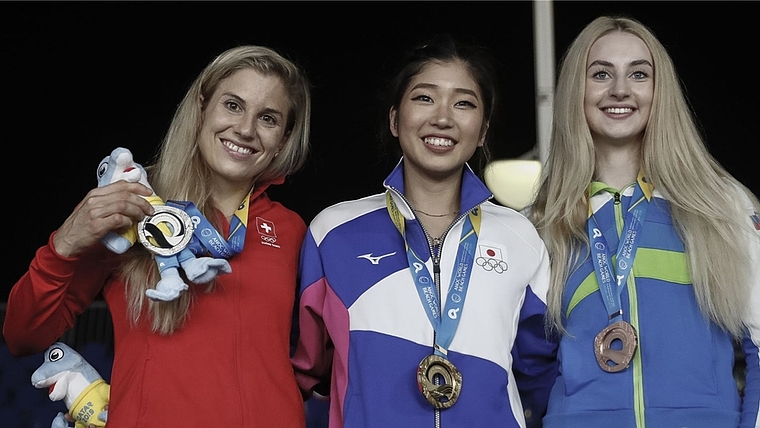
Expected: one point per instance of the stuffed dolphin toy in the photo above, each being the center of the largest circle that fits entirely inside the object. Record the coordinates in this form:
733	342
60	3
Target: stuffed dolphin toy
72	379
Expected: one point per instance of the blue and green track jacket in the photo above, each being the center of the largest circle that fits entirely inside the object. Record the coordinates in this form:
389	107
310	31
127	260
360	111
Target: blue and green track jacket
682	374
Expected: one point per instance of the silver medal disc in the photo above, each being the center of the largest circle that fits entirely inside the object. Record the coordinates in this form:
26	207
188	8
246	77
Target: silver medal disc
167	231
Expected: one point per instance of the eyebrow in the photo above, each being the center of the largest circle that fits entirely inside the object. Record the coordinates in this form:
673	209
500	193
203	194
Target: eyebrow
609	64
457	90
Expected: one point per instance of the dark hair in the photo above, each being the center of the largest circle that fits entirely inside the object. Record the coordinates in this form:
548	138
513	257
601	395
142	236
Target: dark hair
441	48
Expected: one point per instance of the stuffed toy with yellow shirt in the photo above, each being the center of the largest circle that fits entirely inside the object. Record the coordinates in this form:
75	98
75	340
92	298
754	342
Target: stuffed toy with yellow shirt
69	377
167	233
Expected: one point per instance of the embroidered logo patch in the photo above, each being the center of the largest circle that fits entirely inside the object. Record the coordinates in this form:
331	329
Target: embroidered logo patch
755	220
375	260
491	259
267	232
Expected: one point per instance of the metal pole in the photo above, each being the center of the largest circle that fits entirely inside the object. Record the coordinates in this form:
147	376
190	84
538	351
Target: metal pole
543	48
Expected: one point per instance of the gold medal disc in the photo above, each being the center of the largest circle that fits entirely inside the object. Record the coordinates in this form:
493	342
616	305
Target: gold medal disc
439	381
613	359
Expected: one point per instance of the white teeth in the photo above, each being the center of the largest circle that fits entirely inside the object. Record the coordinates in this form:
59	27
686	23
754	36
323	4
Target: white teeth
435	141
236	148
621	110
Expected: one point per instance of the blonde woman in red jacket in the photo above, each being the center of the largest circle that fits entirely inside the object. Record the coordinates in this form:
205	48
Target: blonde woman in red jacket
219	354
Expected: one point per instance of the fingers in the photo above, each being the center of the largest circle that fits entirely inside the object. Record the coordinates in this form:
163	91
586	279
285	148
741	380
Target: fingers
104	209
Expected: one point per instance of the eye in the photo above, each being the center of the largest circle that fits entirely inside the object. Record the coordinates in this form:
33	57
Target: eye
232	105
102	168
269	119
466	104
600	75
55	354
639	74
423	98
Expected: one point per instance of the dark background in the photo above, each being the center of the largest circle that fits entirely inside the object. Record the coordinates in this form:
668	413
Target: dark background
80	78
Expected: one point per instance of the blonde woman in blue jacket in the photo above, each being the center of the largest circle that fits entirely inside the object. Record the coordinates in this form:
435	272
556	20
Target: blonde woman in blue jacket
654	247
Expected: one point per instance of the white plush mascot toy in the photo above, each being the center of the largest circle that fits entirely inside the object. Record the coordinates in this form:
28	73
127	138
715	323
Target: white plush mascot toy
169	231
72	379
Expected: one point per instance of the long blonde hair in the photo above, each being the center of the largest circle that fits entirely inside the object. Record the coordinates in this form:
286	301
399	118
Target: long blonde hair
180	173
703	199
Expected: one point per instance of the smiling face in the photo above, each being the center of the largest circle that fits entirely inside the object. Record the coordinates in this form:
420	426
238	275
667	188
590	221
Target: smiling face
439	121
619	88
244	126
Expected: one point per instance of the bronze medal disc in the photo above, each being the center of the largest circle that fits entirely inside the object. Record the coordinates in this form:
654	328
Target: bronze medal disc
167	231
439	381
613	359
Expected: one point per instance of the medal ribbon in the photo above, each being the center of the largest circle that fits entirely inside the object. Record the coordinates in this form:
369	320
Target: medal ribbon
444	326
207	239
627	246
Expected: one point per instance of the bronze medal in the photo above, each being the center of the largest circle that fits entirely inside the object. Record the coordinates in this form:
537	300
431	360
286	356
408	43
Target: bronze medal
613	359
439	381
167	231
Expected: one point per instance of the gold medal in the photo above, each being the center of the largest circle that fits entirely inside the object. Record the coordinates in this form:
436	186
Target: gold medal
167	231
613	359
439	381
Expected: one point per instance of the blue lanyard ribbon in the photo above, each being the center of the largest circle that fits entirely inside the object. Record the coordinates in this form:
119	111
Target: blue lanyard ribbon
612	278
444	326
206	239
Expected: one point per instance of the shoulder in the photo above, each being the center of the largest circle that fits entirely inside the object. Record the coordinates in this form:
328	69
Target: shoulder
343	212
742	198
263	207
511	222
741	194
506	215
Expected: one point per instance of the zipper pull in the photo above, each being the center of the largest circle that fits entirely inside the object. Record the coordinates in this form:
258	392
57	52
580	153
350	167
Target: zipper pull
617	198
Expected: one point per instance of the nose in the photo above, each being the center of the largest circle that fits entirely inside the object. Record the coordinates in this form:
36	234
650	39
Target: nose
441	116
244	127
620	88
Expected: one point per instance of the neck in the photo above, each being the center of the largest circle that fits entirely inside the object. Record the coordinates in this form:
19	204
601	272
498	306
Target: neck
434	199
436	202
617	166
227	199
75	385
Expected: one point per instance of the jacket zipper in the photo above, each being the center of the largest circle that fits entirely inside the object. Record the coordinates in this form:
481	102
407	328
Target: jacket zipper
638	391
435	256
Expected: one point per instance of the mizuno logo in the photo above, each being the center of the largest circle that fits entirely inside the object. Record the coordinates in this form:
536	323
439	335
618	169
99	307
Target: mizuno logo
374	260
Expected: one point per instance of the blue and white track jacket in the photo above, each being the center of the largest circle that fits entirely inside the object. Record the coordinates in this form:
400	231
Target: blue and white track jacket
682	372
364	330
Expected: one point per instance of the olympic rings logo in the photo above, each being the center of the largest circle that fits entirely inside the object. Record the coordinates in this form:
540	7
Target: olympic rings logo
490	264
270	239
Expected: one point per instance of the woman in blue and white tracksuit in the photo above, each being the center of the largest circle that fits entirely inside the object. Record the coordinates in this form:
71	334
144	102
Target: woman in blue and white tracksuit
655	248
423	306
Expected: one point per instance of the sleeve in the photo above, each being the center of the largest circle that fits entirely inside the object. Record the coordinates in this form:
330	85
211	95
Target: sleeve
46	300
751	343
534	353
312	359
